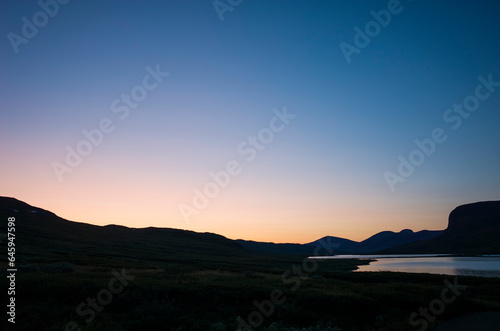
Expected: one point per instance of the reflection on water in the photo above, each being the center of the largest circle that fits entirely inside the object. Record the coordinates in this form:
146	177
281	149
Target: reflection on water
379	256
482	266
465	266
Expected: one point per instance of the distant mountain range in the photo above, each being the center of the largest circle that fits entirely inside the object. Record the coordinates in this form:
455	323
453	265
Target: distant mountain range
380	241
43	236
472	229
376	243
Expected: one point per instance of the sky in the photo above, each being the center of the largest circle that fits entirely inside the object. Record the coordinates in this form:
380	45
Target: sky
280	121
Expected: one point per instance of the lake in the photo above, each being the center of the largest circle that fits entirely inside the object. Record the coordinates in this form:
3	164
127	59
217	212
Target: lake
480	266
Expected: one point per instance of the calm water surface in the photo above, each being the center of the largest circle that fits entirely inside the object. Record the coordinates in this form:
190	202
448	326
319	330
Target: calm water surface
483	266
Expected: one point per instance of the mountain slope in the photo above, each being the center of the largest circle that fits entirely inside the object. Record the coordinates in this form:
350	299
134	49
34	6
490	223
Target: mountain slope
277	249
336	245
377	242
388	239
43	234
472	229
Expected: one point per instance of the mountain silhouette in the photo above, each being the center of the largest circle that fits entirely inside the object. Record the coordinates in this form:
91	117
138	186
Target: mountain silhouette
472	229
378	242
42	233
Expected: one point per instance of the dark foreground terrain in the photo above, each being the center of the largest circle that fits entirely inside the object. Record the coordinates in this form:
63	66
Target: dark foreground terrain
75	276
194	297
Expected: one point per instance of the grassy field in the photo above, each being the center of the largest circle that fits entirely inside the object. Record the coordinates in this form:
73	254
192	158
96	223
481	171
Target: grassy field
76	276
200	297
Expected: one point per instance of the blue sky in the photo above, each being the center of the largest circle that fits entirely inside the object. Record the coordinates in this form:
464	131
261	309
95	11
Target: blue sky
322	175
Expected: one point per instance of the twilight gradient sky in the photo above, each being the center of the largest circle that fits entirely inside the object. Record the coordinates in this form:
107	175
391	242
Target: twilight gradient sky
323	174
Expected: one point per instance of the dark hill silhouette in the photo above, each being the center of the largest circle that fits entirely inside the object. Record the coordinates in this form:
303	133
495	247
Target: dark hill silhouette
388	239
43	233
336	245
277	249
472	229
380	241
327	244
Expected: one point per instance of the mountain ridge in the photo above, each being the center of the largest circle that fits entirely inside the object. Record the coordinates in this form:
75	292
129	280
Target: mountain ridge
472	229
